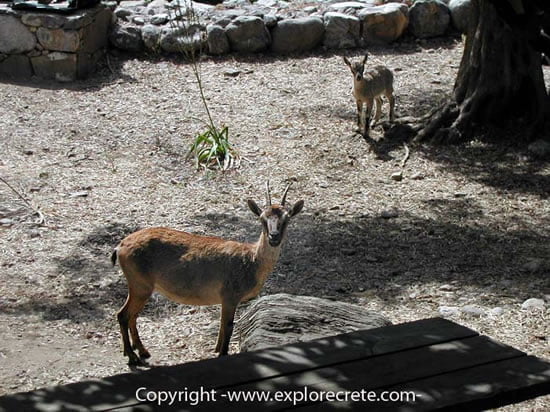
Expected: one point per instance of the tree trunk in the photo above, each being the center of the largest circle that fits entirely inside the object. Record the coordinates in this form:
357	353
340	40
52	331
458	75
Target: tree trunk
500	81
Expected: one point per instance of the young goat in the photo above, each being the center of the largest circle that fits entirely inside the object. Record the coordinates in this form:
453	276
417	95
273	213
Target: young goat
368	87
198	270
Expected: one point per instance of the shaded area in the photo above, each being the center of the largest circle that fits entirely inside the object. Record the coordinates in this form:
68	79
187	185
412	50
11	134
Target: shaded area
442	363
506	167
372	253
88	275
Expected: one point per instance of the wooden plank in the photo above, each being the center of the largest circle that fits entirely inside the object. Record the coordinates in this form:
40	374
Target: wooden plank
242	368
472	389
369	373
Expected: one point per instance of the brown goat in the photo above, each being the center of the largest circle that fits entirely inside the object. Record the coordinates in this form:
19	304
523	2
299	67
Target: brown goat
198	270
368	87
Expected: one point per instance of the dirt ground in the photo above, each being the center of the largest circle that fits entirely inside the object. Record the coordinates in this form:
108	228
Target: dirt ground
466	227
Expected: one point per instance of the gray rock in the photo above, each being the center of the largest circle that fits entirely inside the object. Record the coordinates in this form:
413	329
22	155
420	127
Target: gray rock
17	66
15	37
384	24
123	13
533	303
349	7
6	221
126	38
151	37
138	20
296	35
472	310
58	39
159	19
428	18
341	31
248	34
448	311
183	39
217	40
281	319
49	21
462	14
397	176
56	65
389	214
540	148
270	20
156	7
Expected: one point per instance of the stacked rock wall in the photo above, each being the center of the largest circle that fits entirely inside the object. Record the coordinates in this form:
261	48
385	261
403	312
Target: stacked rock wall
281	26
52	46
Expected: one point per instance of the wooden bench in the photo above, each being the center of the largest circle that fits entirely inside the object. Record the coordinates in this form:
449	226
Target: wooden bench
446	366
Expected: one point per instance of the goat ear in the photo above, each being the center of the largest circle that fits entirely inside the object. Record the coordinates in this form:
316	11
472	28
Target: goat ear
254	207
347	61
297	208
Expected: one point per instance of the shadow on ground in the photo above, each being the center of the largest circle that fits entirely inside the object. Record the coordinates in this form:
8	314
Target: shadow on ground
327	257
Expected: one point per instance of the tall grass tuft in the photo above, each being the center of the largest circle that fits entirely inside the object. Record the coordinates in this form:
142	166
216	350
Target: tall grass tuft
211	148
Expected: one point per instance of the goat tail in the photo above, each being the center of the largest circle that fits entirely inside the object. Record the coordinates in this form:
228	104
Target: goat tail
114	256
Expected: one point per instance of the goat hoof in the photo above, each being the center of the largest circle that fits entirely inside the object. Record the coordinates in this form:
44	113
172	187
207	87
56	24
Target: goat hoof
133	360
144	354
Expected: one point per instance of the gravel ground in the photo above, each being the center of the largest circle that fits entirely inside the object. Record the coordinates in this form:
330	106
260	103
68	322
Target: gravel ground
465	231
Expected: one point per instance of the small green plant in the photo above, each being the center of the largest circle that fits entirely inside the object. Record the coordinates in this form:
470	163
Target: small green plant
211	148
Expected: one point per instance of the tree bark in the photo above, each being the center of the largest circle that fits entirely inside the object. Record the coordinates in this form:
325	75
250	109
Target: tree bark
500	80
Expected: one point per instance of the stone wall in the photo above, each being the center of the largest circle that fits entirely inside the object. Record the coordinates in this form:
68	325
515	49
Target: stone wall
52	46
281	26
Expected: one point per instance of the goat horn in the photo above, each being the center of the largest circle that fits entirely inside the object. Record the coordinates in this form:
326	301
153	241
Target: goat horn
284	194
267	194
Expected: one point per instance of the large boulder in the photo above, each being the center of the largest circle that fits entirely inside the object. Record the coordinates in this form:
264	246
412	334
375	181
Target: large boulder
59	39
151	37
126	37
297	35
384	24
248	34
16	66
15	37
217	40
280	319
342	31
429	18
187	40
462	14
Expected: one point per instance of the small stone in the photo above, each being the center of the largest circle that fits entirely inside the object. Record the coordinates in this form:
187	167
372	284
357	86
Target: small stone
138	20
447	288
79	194
533	303
231	72
448	310
389	214
472	310
6	222
159	19
417	176
397	176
